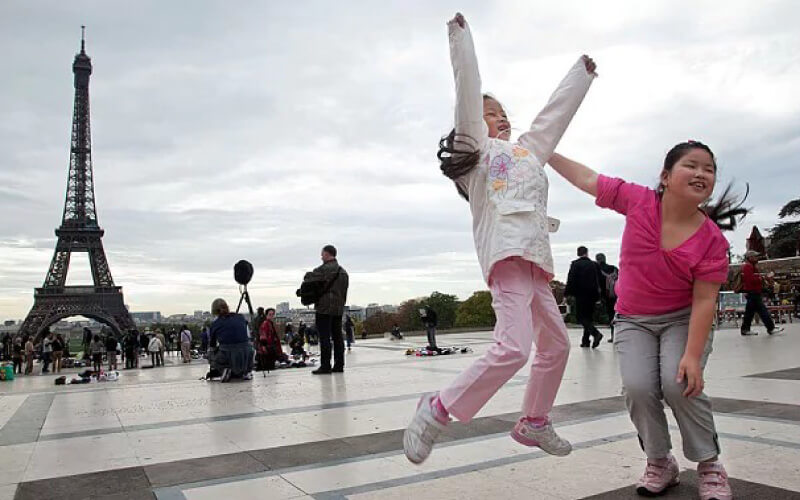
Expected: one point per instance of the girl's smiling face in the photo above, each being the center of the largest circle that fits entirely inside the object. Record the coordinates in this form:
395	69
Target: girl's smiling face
692	177
495	117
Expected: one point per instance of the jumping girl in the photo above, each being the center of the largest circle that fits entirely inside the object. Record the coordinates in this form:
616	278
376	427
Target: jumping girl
506	187
673	259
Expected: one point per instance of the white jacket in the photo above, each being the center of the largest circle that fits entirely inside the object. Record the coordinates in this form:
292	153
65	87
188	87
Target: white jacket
508	189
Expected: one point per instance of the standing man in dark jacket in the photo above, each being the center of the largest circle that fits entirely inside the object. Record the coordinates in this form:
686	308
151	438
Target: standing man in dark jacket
584	285
329	310
752	286
608	296
431	321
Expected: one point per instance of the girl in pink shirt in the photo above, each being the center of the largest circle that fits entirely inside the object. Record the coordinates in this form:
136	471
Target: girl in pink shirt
673	259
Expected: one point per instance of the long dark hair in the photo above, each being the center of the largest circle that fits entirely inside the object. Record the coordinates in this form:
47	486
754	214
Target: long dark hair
458	154
727	211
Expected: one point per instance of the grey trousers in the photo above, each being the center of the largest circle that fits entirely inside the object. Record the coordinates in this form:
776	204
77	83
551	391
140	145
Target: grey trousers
650	349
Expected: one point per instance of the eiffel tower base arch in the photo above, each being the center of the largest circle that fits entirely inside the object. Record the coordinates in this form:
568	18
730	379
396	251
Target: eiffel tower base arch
103	304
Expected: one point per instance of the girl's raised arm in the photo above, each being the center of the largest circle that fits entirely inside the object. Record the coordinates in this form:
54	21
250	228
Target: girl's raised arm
551	123
579	175
469	121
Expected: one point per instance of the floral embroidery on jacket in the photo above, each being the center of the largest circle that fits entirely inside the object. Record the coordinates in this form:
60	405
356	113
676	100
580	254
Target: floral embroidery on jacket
516	182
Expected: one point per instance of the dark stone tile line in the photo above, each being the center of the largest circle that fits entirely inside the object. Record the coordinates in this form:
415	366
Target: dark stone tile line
462	469
688	489
343	493
236	416
362	448
26	423
786	374
358	447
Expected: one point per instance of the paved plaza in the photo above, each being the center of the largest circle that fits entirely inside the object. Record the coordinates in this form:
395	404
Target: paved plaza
166	434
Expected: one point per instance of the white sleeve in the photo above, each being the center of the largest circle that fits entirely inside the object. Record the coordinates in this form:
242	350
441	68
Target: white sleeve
469	100
551	123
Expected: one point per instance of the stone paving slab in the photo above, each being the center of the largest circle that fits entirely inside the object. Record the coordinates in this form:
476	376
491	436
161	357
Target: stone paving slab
688	490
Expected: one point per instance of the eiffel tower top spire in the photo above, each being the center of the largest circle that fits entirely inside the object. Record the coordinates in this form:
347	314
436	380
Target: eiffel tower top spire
79	206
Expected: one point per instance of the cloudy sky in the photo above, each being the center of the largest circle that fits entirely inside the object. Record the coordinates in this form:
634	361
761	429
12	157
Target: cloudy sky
267	130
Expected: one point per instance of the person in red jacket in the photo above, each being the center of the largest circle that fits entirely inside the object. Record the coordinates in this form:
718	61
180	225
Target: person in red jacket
752	287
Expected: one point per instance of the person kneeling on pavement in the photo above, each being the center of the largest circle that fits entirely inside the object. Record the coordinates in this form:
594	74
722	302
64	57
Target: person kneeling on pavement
230	343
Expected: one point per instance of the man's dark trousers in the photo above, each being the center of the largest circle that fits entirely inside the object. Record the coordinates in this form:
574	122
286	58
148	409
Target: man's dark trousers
330	329
585	316
755	304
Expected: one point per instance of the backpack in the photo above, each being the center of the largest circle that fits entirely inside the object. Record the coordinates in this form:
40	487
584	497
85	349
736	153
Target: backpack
311	291
611	281
738	283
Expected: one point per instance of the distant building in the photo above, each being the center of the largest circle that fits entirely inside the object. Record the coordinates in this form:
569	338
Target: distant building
146	317
357	313
282	308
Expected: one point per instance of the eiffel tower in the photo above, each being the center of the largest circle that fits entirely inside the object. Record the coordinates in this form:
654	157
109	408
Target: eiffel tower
79	232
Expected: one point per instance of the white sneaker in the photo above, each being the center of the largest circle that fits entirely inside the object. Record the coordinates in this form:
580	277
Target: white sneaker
777	329
247	376
422	431
544	437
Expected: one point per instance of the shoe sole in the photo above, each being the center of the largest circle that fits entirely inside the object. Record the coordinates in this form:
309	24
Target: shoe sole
406	447
406	443
526	441
643	491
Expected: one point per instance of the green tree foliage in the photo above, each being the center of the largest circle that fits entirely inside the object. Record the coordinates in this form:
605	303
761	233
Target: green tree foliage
785	236
445	306
476	310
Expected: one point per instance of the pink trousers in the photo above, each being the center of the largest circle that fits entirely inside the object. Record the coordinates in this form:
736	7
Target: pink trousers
527	314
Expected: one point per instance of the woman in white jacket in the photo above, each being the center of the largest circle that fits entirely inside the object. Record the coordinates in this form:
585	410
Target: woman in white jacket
506	187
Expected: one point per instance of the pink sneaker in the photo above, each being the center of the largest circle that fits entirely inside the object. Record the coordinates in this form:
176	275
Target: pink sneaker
659	474
543	436
713	481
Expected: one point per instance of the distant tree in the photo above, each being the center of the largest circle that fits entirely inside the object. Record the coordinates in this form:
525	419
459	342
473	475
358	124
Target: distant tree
476	310
558	288
408	315
380	322
445	306
785	236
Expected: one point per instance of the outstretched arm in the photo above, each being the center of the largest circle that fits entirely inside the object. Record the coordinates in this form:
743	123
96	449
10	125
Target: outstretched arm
469	101
579	175
551	123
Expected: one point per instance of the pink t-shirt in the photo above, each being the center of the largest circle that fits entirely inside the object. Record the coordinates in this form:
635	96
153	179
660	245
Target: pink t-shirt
653	280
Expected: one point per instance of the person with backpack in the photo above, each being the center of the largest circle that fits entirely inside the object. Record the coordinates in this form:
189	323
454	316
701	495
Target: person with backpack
583	284
608	296
753	287
326	287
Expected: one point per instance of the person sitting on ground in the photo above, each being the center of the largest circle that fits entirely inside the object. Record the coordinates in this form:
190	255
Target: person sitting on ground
396	332
97	353
269	344
297	346
230	339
